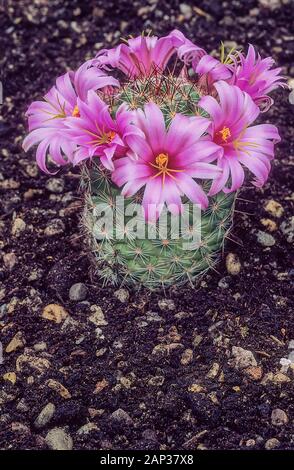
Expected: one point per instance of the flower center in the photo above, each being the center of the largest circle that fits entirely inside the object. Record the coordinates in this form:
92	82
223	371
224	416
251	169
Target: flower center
106	138
225	133
162	160
76	111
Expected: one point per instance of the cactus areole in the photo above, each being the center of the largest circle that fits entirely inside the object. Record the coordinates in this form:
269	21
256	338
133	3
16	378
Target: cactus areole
164	136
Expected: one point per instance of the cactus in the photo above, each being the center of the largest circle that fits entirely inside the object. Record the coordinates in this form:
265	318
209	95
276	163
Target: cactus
153	262
158	135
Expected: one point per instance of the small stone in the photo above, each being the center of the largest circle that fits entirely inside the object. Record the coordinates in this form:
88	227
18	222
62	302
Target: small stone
87	429
121	416
100	386
196	388
274	208
97	316
197	339
59	439
243	358
59	388
9	260
270	4
22	406
186	10
166	304
16	343
187	357
269	224
250	443
45	416
291	344
122	295
223	283
213	371
100	352
18	227
55	313
39	364
55	185
10	377
272	443
78	292
280	378
265	239
156	381
55	227
254	373
279	417
233	264
287	229
42	346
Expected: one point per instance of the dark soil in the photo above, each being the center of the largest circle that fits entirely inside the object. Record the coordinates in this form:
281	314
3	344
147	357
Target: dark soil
142	366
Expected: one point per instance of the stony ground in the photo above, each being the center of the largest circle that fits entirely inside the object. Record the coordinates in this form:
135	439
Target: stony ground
87	367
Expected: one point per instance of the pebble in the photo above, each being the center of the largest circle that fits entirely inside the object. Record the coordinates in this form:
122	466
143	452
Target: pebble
287	229
59	439
9	260
279	417
78	291
272	443
59	388
233	264
274	208
121	416
196	388
10	377
291	344
39	364
55	227
55	313
254	373
17	342
197	339
18	227
213	371
270	4
100	386
265	239
186	10
166	304
97	316
269	224
41	346
122	295
55	185
187	357
243	358
45	416
87	429
223	283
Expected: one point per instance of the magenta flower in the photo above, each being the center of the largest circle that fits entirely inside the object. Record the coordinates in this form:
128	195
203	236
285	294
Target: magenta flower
140	56
166	161
255	76
252	147
96	133
143	55
211	70
47	118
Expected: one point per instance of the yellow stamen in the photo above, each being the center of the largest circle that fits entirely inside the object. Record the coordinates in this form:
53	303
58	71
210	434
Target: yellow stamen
106	138
161	160
225	133
76	111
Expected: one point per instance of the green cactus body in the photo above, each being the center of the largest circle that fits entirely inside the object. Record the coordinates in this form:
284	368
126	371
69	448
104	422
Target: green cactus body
163	259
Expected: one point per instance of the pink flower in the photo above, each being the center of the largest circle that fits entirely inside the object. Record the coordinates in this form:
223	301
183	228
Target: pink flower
252	147
211	70
166	161
255	76
96	133
47	118
143	55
